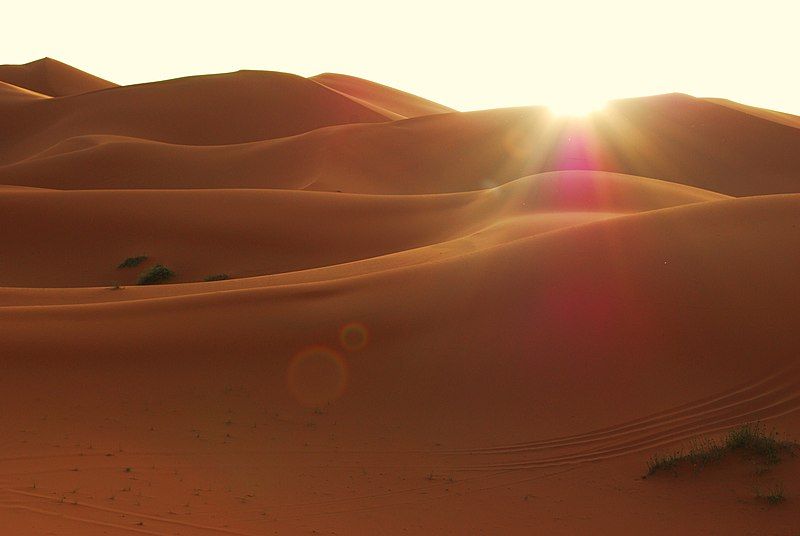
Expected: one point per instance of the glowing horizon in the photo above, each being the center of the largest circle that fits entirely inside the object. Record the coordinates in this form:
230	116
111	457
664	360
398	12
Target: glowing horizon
571	57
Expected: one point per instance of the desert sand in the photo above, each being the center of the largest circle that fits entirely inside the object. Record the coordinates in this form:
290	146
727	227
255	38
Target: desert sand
434	322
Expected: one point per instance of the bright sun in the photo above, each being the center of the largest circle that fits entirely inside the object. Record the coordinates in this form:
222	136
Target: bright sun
575	107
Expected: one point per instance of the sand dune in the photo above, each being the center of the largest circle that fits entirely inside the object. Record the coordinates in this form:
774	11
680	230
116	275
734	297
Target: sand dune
673	137
770	115
12	94
53	78
490	327
203	110
387	98
78	238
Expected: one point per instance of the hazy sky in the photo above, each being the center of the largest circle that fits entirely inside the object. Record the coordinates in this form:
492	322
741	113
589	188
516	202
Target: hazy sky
468	55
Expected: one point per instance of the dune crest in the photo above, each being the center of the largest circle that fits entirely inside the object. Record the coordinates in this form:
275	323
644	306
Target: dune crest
399	102
10	94
52	78
201	110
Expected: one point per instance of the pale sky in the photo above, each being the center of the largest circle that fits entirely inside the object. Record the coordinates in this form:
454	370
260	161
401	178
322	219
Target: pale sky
467	55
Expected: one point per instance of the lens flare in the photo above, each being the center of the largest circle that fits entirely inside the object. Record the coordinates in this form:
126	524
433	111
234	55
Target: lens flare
353	336
316	376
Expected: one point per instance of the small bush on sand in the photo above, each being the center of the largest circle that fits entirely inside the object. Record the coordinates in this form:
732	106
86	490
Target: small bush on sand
157	274
749	439
216	277
663	462
753	439
772	496
130	262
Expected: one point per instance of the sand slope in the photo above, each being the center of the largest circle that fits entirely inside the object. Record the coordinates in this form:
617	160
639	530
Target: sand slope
11	94
673	137
770	115
52	77
78	238
387	98
202	110
489	329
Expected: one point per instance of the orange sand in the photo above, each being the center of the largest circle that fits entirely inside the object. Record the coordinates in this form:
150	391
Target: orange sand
436	322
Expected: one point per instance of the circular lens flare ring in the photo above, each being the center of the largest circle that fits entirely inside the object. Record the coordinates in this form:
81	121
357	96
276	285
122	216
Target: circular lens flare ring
353	336
317	376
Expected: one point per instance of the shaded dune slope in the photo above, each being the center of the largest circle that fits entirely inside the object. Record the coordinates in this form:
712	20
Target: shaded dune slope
202	110
11	94
673	137
770	115
388	98
52	78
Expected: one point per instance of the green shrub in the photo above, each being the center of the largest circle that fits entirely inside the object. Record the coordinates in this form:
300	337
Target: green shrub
216	277
157	274
130	262
750	439
753	438
773	496
663	462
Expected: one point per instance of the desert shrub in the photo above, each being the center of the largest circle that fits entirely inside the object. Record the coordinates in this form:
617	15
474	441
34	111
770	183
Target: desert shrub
754	439
663	462
130	262
772	496
751	439
157	274
216	277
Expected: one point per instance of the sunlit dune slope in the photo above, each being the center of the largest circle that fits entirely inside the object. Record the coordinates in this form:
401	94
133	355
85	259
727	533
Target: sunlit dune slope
11	94
53	78
533	292
78	238
388	98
